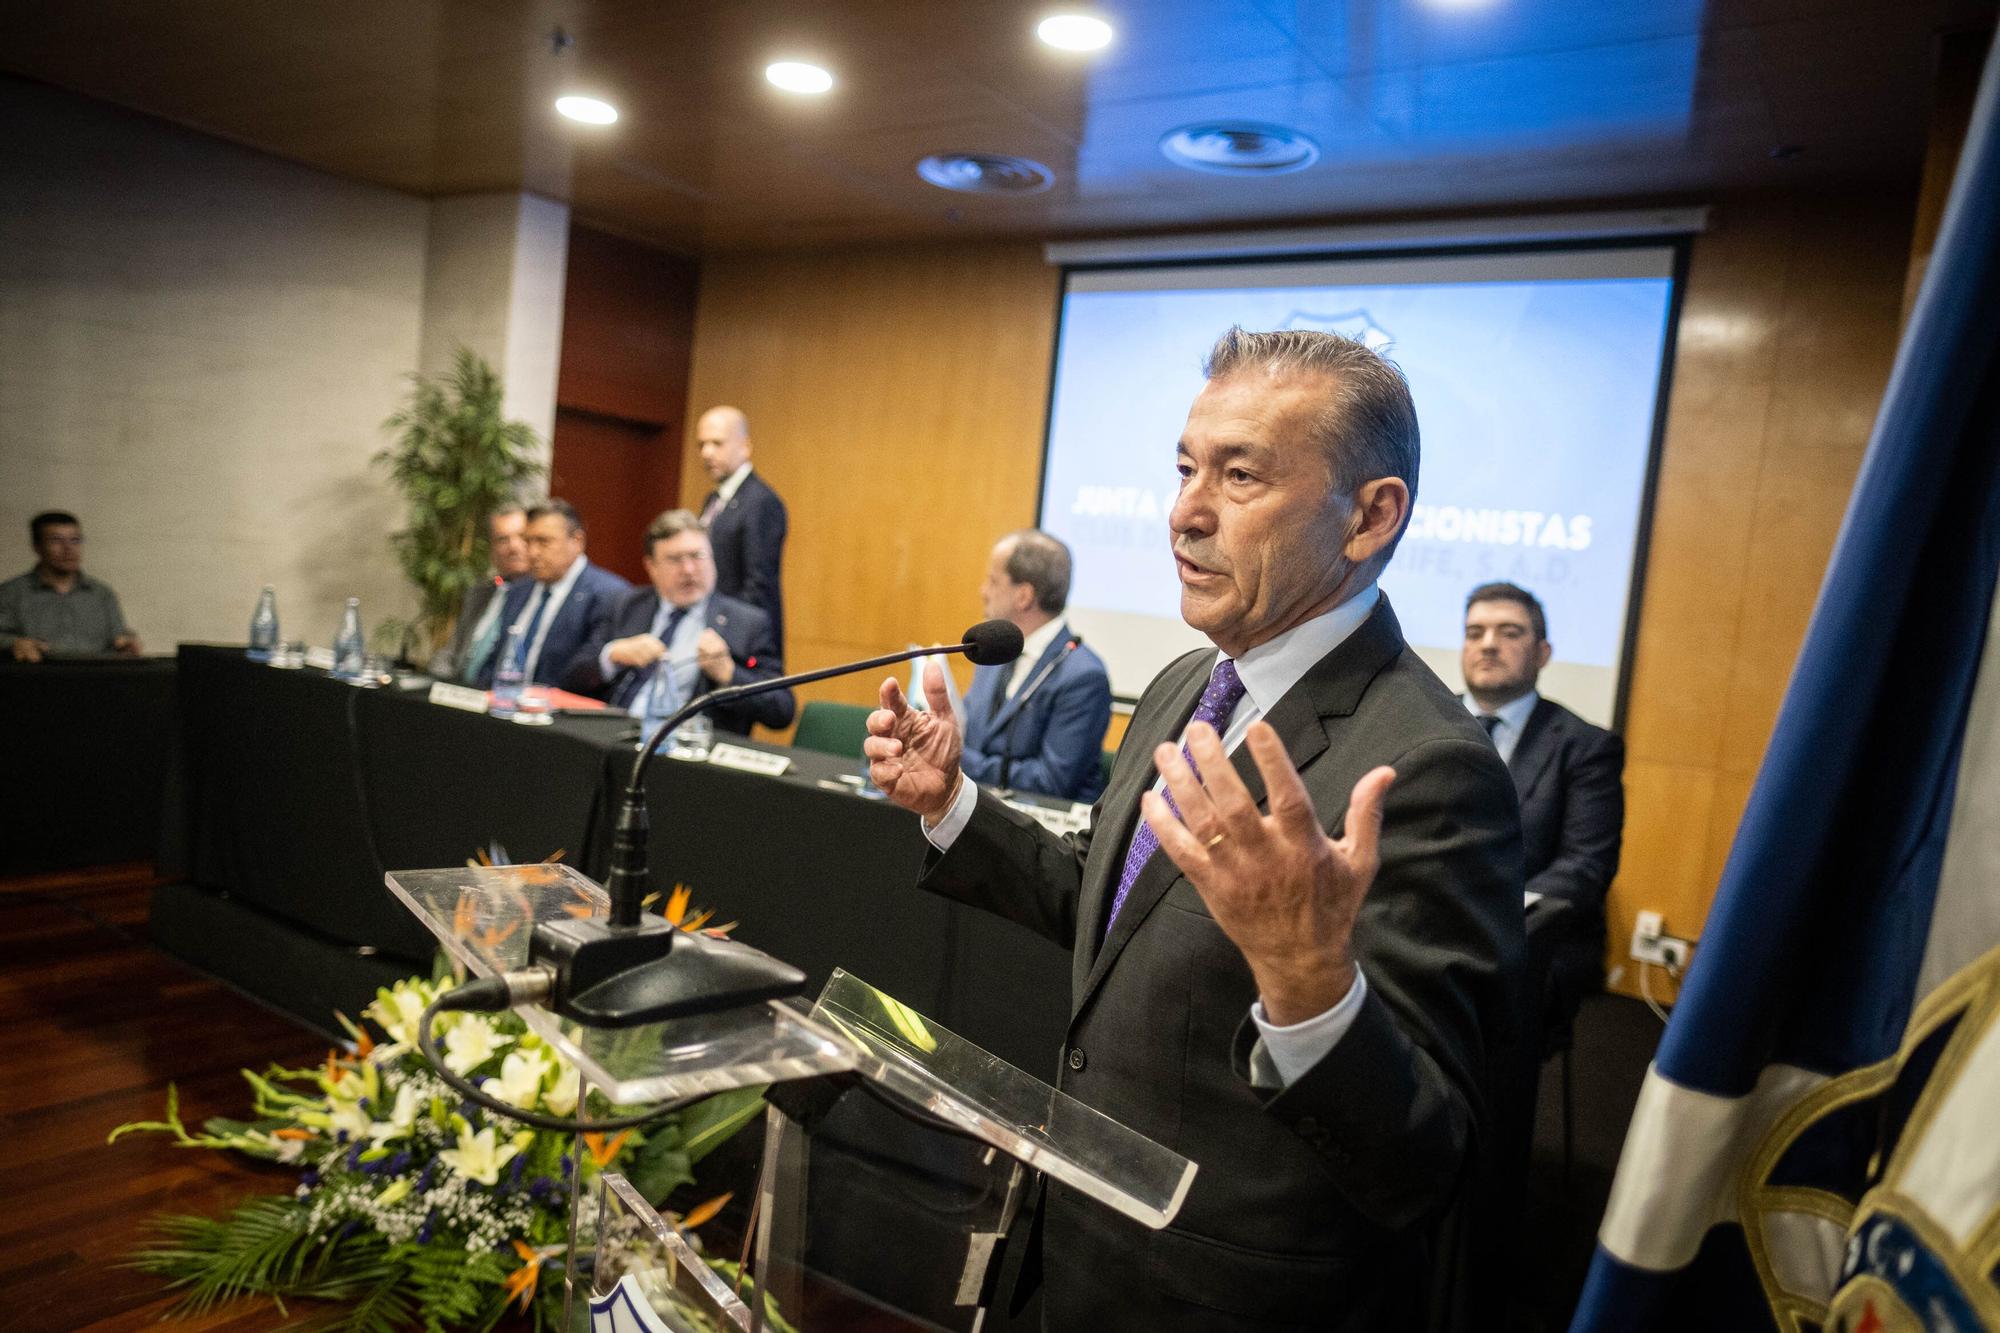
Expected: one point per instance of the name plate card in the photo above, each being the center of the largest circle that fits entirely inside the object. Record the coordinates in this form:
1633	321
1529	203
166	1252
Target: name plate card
321	658
1057	820
748	760
458	696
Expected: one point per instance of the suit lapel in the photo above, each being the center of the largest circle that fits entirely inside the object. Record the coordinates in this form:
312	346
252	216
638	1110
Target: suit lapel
1008	707
1332	689
1535	750
1096	951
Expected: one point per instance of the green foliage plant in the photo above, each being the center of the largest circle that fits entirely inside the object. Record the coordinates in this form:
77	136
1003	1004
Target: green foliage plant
455	459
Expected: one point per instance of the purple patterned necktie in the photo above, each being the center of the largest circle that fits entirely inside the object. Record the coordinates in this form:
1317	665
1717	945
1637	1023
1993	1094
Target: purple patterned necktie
1218	701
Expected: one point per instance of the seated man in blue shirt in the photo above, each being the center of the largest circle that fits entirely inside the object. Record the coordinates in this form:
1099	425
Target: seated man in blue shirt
55	609
681	638
1037	724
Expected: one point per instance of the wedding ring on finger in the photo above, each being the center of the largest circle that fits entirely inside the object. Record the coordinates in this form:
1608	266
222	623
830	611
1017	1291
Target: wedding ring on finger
1215	841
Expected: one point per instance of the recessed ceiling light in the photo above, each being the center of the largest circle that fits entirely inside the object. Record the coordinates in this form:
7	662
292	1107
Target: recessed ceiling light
1074	32
797	77
1240	148
985	173
589	110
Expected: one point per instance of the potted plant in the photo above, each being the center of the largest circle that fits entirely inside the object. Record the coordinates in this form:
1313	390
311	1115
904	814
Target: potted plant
455	459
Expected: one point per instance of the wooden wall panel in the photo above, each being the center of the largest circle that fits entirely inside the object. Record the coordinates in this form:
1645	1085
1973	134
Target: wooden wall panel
1787	336
628	333
896	399
897	402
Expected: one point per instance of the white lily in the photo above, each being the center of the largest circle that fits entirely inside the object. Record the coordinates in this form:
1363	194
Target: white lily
480	1156
346	1114
471	1042
402	1117
520	1081
562	1094
396	1011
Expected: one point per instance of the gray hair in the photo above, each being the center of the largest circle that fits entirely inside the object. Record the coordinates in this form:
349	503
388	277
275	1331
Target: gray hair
1368	426
1041	562
672	524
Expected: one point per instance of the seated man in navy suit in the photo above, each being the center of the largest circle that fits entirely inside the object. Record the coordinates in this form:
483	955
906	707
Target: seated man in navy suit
1568	774
563	604
1037	724
681	638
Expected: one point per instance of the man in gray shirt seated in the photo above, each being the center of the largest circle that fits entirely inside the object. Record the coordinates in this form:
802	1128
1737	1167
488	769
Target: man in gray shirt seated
55	609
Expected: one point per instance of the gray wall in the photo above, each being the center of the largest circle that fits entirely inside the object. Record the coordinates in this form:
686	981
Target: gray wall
198	345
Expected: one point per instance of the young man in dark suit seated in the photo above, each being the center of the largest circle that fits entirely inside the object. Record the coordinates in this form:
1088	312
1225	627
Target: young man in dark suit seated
1568	774
681	638
1036	723
562	605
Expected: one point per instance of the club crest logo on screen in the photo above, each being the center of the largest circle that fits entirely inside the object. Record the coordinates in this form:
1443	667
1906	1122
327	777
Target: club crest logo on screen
1356	324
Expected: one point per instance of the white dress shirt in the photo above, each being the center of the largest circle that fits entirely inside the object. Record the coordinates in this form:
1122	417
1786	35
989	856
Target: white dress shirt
1268	671
555	594
677	675
725	490
1513	717
1032	648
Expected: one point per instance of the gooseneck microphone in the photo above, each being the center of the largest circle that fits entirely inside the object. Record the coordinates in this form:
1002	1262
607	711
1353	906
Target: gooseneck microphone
612	971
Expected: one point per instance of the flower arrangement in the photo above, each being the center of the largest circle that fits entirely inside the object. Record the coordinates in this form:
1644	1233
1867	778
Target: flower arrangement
413	1206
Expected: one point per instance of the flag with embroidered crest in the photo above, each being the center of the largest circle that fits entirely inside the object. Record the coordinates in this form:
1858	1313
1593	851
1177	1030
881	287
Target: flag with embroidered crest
1817	1144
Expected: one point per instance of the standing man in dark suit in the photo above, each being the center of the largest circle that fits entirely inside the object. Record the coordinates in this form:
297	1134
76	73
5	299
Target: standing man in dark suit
681	638
1568	774
744	516
1037	723
1296	932
564	604
476	636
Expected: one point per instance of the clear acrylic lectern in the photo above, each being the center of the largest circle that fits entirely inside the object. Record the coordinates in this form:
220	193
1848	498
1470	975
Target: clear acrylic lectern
895	1160
929	1152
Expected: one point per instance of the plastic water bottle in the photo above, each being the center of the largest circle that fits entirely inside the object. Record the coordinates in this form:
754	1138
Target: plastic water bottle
349	650
507	676
264	627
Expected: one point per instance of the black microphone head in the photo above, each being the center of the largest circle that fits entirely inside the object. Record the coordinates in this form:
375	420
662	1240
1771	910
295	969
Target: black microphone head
993	642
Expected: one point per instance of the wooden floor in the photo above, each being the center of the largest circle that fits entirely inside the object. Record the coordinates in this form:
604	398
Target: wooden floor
94	1022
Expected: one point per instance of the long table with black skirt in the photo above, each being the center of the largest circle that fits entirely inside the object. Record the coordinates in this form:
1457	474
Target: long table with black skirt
297	792
86	744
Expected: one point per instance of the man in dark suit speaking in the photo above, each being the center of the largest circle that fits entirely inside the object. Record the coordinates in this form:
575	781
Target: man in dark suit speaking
681	638
1568	773
1297	931
745	518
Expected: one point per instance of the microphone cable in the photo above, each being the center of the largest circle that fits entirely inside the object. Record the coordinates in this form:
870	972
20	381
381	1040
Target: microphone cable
504	991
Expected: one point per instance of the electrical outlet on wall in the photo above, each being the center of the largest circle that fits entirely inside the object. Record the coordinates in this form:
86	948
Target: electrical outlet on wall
1652	944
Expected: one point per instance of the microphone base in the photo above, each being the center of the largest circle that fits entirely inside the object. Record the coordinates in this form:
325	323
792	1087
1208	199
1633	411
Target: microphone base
610	976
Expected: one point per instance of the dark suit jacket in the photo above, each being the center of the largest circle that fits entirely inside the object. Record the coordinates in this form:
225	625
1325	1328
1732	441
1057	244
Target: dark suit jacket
1048	741
749	539
582	617
1347	1200
1570	778
742	626
450	661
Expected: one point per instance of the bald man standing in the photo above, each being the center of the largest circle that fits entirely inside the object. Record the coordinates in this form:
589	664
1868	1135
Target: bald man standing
744	516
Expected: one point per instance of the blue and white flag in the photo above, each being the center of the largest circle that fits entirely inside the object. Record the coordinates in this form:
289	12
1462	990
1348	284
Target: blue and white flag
1817	1145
